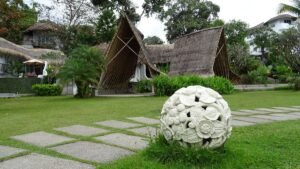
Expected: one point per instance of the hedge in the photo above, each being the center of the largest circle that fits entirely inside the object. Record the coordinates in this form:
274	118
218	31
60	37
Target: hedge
47	89
18	85
166	86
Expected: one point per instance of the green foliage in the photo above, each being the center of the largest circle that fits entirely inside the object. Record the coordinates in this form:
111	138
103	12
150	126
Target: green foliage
263	37
119	5
15	17
240	60
173	152
236	32
84	66
294	8
144	86
283	73
259	76
286	46
106	26
297	83
17	85
185	16
153	40
15	68
47	89
166	86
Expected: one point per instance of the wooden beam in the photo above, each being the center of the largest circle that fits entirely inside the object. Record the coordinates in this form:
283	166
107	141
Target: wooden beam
126	44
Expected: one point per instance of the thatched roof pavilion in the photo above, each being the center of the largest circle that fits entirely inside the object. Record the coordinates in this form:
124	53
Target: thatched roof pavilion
42	27
123	55
202	53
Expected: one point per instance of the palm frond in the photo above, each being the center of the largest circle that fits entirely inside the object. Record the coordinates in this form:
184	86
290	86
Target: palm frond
288	8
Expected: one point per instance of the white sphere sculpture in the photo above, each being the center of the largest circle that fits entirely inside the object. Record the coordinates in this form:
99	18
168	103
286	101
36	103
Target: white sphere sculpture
196	116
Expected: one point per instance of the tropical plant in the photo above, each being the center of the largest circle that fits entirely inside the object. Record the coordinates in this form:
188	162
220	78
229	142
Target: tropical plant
294	8
84	67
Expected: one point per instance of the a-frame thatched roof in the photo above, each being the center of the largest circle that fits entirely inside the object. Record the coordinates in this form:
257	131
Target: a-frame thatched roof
203	53
122	56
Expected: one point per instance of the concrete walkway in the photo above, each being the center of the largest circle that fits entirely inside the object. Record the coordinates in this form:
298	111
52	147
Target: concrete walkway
105	146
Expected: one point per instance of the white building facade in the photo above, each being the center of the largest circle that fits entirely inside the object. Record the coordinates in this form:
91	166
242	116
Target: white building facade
277	24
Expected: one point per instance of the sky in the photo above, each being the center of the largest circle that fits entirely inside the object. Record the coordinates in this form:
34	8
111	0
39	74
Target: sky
252	12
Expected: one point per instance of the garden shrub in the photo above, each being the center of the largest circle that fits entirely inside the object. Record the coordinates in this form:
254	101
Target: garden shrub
47	89
283	72
144	86
166	86
297	83
259	76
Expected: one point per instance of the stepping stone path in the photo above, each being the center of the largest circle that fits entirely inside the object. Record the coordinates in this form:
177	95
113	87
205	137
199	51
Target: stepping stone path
147	131
82	130
6	151
252	119
123	140
237	123
42	139
272	110
109	148
95	152
117	124
38	161
145	120
287	108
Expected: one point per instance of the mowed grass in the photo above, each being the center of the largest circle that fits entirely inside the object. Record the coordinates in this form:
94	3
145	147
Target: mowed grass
275	145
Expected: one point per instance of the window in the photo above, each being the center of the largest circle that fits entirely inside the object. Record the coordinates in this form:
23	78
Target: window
288	21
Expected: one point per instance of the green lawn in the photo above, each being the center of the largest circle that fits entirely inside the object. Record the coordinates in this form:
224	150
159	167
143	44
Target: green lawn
275	145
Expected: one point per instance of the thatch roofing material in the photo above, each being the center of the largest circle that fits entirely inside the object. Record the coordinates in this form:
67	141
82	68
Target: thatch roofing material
195	53
12	49
160	53
122	56
13	53
42	27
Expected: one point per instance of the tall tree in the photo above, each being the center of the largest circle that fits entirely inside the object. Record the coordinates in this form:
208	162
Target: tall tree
294	8
15	17
153	40
236	32
184	16
119	5
287	46
106	26
262	39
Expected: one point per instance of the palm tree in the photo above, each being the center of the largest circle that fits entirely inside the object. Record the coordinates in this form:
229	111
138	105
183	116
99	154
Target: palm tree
294	8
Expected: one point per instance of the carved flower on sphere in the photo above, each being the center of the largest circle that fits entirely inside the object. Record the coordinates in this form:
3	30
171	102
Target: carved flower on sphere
197	116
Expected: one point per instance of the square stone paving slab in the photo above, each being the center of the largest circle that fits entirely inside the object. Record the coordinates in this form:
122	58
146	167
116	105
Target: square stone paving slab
251	112
238	123
296	107
6	151
273	110
38	161
124	140
145	120
238	113
42	139
95	152
277	118
117	124
147	131
82	130
287	108
253	119
293	116
295	113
